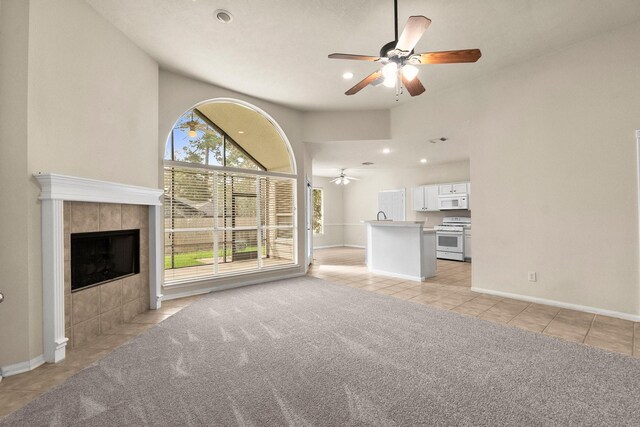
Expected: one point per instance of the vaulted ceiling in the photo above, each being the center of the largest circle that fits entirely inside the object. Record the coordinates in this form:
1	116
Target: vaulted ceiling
252	131
277	50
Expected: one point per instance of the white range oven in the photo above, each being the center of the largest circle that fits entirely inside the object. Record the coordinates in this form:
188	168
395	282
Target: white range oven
450	238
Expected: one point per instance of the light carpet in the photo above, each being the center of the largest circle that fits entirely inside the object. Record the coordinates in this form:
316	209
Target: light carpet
307	352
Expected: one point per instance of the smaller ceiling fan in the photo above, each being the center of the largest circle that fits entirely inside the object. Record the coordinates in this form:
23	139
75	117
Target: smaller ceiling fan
399	59
343	179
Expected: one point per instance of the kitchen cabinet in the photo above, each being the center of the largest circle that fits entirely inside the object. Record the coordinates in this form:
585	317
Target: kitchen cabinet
467	244
425	198
456	188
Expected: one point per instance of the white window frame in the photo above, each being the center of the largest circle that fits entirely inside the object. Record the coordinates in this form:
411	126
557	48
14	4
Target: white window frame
260	228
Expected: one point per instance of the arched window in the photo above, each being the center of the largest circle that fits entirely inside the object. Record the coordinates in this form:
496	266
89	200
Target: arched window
230	194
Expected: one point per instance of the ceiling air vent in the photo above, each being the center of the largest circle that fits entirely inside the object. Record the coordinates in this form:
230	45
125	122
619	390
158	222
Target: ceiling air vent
436	140
367	163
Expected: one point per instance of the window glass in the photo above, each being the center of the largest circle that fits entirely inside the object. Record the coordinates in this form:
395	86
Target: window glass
195	141
220	221
235	158
317	202
212	226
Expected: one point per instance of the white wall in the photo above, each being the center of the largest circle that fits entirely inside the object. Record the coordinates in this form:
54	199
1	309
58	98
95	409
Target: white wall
361	197
333	213
14	250
324	126
553	171
88	98
177	95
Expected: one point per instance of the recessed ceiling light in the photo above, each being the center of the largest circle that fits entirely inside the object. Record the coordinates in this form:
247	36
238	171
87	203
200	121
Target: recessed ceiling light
386	150
223	16
348	75
423	160
240	131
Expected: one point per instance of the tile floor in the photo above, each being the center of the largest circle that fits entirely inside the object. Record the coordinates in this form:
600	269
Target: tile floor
451	289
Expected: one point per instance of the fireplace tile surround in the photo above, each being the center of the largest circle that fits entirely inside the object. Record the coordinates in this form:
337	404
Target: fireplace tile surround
56	190
97	310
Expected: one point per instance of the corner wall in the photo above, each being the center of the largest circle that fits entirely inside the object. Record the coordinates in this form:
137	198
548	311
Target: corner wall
553	170
14	251
84	103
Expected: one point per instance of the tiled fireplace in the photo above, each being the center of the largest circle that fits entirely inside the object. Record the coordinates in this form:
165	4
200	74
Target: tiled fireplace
95	310
78	205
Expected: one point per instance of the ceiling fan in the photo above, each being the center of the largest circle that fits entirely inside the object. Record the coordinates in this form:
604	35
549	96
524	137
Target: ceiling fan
399	59
343	179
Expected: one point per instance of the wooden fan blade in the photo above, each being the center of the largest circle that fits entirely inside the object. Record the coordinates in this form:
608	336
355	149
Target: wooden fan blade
354	57
414	87
416	26
364	82
449	56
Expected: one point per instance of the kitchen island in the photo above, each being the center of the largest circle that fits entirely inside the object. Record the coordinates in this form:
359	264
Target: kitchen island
402	249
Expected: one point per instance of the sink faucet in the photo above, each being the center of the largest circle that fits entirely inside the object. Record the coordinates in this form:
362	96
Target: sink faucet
383	214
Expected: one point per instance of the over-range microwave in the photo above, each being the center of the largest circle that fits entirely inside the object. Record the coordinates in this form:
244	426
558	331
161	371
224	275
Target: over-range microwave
453	201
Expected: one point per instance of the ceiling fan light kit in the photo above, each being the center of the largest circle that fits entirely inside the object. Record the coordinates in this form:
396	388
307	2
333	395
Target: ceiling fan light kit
399	58
192	124
409	72
390	73
342	179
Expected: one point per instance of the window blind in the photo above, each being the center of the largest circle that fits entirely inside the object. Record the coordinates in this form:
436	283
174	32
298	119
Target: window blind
219	222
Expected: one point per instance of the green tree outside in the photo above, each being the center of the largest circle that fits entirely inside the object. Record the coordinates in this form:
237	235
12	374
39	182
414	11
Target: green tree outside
317	220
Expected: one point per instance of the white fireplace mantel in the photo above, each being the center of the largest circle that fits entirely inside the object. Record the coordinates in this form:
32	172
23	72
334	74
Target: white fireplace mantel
56	189
71	188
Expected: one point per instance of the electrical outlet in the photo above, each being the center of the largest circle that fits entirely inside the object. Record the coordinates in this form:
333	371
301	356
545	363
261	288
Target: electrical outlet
533	276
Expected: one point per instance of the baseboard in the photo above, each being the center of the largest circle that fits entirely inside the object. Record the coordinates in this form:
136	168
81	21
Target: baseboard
328	246
20	367
398	275
255	275
201	291
340	246
560	304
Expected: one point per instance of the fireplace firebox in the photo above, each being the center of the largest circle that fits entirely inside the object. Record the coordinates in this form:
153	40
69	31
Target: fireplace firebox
104	256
